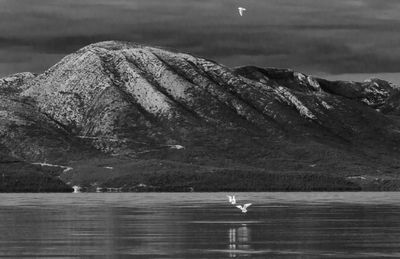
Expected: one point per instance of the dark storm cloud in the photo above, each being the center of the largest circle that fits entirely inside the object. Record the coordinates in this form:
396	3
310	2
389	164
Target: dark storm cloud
342	36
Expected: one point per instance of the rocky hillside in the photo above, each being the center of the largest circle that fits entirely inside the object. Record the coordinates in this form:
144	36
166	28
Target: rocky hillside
113	110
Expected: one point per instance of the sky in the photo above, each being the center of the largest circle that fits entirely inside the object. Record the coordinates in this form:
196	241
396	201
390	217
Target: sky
319	37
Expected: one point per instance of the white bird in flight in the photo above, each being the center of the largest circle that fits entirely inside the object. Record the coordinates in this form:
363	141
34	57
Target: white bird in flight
241	10
244	207
232	199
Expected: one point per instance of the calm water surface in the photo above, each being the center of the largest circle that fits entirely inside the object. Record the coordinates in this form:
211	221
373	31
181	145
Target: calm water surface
200	225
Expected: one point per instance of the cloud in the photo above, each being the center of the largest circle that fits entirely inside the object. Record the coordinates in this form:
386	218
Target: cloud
342	36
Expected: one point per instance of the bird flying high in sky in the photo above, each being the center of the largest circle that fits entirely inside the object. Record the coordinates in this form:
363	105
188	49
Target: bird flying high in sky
241	10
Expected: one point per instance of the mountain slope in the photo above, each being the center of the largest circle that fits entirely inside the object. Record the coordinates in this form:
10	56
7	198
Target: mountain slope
132	104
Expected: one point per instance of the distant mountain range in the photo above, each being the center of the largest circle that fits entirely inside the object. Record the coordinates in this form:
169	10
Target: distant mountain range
118	114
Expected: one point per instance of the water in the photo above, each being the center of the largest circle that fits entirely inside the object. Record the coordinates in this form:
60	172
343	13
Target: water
200	225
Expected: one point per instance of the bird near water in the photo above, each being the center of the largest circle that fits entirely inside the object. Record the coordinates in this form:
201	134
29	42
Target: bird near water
244	207
232	199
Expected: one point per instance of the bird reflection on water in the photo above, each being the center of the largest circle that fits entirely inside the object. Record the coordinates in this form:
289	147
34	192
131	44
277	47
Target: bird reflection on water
239	239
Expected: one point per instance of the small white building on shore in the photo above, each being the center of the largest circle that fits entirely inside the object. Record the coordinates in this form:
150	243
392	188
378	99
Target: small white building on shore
77	189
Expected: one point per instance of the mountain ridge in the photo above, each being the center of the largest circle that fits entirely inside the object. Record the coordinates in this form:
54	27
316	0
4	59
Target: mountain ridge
129	102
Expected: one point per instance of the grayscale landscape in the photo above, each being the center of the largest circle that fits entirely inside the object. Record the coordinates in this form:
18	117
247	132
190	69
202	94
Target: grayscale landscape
199	129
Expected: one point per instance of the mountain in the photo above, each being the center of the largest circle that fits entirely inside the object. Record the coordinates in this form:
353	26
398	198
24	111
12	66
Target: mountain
118	114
